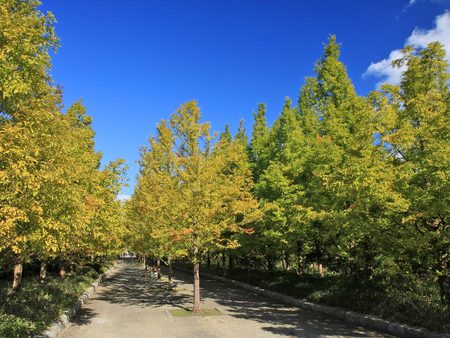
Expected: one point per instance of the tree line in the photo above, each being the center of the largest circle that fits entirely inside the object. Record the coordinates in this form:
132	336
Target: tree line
349	184
57	203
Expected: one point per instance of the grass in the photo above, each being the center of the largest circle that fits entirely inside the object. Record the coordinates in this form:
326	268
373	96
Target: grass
201	313
35	306
400	298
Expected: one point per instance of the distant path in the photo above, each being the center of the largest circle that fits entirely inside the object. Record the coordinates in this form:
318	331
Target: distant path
128	304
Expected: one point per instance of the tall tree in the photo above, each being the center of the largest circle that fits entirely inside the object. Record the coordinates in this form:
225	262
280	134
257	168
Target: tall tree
417	136
348	182
204	188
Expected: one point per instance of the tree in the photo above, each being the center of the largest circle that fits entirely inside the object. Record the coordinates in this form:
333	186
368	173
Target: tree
417	138
27	113
27	37
153	214
197	192
349	192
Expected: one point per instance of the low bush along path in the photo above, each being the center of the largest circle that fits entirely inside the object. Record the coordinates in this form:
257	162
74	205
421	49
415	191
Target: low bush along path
130	304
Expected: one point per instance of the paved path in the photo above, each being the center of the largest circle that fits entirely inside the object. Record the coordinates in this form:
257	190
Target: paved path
128	304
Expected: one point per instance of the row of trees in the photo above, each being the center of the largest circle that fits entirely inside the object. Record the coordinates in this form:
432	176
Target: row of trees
354	184
55	201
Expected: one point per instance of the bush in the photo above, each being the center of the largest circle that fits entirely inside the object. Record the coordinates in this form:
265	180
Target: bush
402	298
32	308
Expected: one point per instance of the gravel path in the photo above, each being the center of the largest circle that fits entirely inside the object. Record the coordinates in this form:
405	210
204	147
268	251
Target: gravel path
129	304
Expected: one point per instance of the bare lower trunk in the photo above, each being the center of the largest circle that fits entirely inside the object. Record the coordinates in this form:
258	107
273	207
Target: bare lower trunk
300	268
17	275
196	307
169	266
270	265
158	268
320	269
287	261
43	271
224	259
62	270
208	260
230	264
145	264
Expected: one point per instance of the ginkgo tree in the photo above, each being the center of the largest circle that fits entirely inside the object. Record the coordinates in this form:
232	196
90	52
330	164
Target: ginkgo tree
201	189
416	133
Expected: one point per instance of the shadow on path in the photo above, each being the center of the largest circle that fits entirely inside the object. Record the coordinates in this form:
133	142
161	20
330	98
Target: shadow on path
133	286
130	286
284	319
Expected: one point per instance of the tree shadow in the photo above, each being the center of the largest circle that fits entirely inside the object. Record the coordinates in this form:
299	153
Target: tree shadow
282	319
133	286
84	317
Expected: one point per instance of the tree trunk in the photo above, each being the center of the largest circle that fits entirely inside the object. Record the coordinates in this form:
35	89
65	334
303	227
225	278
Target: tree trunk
287	261
158	268
208	260
300	268
230	264
17	275
270	265
320	269
62	270
224	259
169	266
43	272
444	280
196	307
145	264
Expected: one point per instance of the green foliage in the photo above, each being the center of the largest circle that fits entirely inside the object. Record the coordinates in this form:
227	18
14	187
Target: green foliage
32	308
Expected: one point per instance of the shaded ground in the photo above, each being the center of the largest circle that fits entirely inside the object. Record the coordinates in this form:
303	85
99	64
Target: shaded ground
129	304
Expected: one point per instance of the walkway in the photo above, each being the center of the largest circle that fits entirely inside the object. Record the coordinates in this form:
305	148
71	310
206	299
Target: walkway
128	304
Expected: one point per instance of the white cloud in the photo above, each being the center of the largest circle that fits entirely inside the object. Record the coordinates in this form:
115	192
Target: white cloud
419	38
383	69
441	32
123	197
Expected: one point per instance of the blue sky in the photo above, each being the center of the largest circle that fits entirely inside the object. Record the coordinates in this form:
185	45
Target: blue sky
134	62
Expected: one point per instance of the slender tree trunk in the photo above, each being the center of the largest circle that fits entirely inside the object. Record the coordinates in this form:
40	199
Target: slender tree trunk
287	261
270	264
300	268
169	266
145	264
208	260
230	264
158	268
196	307
43	271
17	274
444	281
320	269
224	259
246	263
62	269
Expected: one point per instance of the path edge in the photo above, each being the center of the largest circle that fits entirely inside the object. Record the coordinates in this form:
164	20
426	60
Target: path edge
63	321
366	321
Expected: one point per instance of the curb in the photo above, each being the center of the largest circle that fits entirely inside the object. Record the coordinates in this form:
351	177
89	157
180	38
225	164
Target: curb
63	321
366	321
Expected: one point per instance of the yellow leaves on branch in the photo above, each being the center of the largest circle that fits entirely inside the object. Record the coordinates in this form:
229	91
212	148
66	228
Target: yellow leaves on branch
194	190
